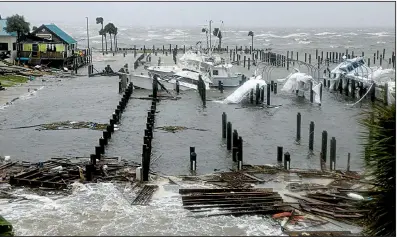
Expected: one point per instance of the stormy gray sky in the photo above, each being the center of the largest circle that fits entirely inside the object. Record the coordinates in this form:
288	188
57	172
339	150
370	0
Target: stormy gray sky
238	14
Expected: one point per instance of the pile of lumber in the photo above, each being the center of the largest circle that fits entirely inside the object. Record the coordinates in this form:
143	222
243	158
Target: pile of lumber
332	205
232	201
59	173
145	195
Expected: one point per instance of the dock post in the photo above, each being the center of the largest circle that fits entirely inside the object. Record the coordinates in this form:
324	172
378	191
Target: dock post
193	158
377	54
287	60
287	160
271	85
224	121
333	154
240	152
229	136
279	154
353	85
89	169
263	94
249	63
257	94
310	59
305	57
311	135
235	145
268	95
252	96
324	140
321	91
145	161
311	91
348	162
298	127
275	88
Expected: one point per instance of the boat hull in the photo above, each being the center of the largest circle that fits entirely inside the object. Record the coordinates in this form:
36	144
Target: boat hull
233	81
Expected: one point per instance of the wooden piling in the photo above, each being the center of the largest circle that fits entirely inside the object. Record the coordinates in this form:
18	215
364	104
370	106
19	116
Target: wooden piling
324	140
298	127
311	91
287	160
252	96
257	94
268	95
287	60
333	154
235	145
271	85
240	150
224	121
229	136
279	154
244	60
348	162
262	94
311	135
275	88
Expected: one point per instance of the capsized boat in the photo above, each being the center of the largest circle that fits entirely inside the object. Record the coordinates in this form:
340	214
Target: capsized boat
298	82
240	93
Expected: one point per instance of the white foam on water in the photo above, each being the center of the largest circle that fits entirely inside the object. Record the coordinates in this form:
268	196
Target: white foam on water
379	34
304	42
30	94
325	33
105	209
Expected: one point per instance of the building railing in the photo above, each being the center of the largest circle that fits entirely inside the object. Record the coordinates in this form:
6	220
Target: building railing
43	55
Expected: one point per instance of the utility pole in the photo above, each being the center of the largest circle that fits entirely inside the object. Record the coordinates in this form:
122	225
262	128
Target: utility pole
88	36
210	33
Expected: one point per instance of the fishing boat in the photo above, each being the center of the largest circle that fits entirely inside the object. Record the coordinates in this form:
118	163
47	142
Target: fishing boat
187	79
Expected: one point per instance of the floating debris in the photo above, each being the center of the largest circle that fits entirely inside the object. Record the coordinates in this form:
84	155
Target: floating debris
145	195
174	129
60	173
65	125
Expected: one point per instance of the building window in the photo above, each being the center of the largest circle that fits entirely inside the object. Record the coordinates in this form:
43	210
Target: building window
14	46
4	46
215	72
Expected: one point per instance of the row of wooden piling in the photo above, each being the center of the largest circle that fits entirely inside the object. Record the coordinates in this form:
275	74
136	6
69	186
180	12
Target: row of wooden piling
234	142
259	93
274	58
107	134
355	85
148	135
324	141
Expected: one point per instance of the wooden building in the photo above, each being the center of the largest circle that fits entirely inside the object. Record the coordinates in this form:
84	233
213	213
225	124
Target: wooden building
51	46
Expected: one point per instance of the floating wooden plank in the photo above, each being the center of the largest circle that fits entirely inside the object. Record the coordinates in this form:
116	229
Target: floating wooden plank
145	195
253	177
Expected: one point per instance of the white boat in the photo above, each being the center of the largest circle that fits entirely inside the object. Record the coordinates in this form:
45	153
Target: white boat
214	66
187	79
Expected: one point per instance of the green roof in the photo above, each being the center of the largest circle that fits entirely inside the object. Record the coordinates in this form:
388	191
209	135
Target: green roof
60	33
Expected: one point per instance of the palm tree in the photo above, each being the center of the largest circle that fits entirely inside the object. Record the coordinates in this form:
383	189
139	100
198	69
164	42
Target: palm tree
251	33
99	20
103	33
115	34
218	34
206	34
380	164
17	23
109	28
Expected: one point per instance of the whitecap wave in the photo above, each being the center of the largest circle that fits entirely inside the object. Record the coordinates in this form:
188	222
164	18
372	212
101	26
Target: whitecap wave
304	42
325	33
